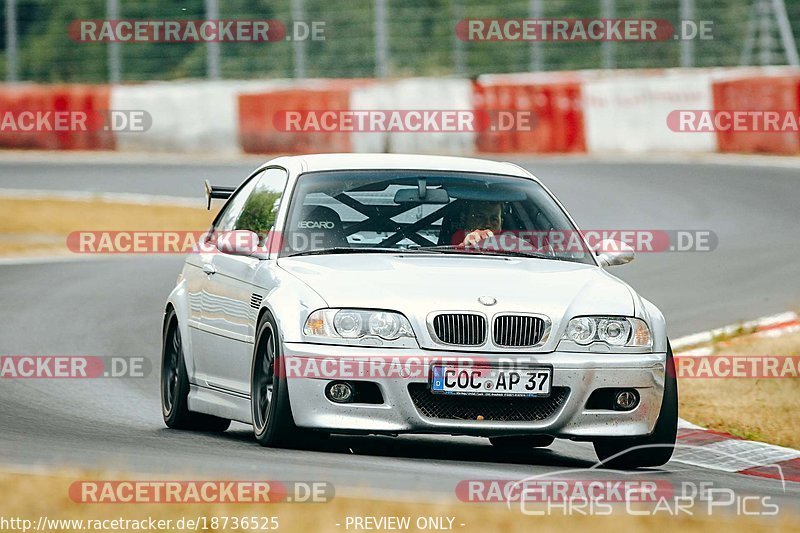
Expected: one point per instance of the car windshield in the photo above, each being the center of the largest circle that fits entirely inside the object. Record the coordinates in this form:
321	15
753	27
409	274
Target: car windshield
390	211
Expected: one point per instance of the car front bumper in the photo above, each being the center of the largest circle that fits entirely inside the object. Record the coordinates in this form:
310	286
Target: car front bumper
311	367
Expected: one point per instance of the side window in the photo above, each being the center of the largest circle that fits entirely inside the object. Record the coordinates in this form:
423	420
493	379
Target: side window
243	210
261	207
233	208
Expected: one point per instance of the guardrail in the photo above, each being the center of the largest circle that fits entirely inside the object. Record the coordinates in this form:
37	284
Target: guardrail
635	111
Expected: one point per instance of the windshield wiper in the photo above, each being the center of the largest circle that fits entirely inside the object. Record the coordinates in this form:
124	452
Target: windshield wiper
348	250
454	248
441	249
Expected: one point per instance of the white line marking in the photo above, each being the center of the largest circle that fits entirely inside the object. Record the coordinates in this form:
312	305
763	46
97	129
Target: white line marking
734	455
673	158
46	259
112	157
750	325
685	424
117	197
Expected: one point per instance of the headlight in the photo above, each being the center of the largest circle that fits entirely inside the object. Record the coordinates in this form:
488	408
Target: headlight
357	323
385	325
581	330
348	324
612	330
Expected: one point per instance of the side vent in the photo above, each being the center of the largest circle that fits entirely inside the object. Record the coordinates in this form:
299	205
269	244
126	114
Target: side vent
255	301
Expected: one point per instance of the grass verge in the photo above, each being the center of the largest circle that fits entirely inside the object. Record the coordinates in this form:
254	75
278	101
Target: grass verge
31	496
762	409
40	227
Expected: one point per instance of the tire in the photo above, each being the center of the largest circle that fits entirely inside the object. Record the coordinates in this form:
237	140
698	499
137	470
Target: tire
522	442
175	386
659	445
273	423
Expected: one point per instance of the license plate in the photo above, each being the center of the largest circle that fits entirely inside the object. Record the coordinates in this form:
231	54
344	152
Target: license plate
489	381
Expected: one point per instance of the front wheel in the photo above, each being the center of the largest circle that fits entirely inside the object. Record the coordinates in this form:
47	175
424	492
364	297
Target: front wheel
273	423
654	449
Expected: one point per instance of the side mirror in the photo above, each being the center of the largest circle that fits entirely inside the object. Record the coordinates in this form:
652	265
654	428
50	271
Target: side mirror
613	253
238	242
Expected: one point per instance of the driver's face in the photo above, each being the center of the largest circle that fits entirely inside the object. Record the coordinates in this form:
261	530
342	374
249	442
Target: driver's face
484	216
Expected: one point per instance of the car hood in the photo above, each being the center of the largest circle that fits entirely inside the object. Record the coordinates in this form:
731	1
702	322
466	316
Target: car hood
416	285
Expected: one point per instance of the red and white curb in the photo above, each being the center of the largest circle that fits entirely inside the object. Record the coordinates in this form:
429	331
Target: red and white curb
720	451
770	326
723	452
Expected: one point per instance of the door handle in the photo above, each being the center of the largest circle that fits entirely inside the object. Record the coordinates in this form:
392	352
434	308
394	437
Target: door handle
209	269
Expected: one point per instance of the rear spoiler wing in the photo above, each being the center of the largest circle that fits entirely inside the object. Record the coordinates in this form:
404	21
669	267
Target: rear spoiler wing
214	192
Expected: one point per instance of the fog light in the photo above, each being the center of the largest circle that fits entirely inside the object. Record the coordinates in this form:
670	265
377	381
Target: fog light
626	400
339	392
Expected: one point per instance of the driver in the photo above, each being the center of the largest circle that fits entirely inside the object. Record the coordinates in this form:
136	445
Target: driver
484	220
479	221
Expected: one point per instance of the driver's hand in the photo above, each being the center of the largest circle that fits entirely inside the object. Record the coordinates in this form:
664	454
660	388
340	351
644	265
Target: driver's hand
474	237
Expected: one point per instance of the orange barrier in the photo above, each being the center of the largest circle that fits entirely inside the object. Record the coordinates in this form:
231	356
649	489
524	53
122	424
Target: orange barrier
780	94
262	119
554	102
555	110
55	117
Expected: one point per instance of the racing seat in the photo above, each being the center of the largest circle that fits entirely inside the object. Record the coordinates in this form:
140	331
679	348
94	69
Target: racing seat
317	228
451	222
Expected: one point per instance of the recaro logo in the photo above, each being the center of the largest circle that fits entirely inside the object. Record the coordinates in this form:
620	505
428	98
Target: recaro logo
313	224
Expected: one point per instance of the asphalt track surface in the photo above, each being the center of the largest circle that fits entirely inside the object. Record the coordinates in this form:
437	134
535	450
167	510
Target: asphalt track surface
113	307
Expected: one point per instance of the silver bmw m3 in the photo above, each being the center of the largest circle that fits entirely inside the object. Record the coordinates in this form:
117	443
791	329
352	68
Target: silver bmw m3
390	294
